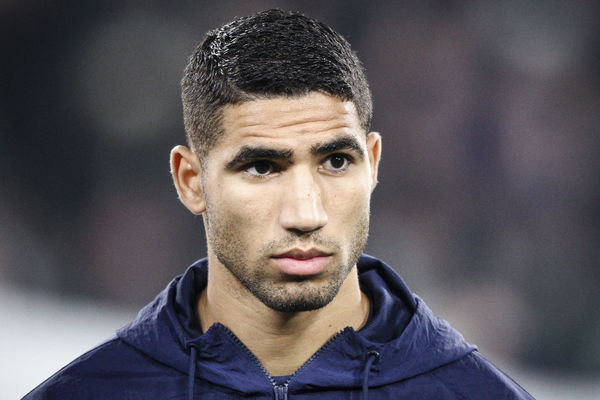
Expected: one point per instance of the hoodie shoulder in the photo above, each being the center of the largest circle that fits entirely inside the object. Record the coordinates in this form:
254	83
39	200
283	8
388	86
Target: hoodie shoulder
475	377
423	357
112	370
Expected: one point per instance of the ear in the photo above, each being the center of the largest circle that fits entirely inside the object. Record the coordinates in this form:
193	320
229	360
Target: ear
186	173
374	152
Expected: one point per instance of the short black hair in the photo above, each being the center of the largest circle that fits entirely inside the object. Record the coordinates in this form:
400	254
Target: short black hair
268	54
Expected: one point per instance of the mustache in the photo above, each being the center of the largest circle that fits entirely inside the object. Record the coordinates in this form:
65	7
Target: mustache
291	241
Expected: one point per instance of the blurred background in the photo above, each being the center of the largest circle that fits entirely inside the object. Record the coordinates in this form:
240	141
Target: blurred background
488	202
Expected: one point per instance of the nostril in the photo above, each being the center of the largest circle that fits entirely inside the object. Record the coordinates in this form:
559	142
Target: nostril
301	232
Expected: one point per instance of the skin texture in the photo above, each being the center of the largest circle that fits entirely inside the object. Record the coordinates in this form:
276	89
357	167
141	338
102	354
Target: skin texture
289	173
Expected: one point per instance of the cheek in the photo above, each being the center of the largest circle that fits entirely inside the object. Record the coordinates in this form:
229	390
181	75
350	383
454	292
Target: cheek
244	206
348	198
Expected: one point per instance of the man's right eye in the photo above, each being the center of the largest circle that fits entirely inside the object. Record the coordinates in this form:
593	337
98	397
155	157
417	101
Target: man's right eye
260	168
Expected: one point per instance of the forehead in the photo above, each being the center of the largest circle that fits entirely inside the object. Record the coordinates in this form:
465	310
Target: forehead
289	119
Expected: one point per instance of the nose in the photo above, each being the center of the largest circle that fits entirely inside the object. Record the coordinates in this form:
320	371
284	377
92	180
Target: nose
302	208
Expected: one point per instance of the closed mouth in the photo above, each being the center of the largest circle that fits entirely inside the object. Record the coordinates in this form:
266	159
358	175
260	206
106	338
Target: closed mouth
300	254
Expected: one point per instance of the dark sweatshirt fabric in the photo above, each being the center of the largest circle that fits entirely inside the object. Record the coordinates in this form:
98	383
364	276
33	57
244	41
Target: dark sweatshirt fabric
403	352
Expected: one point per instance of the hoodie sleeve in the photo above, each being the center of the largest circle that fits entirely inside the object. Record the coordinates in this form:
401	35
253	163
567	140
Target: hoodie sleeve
112	371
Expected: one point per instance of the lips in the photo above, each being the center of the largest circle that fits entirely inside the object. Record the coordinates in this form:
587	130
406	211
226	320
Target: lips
298	262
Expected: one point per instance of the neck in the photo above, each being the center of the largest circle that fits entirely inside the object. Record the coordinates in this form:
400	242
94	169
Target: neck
266	331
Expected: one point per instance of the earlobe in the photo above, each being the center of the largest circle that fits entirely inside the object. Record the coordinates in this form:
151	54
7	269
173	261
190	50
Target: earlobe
186	174
374	150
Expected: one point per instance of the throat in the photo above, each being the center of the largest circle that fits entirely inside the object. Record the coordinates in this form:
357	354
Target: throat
283	342
285	364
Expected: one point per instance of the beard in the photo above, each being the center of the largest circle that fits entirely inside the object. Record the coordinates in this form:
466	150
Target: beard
291	295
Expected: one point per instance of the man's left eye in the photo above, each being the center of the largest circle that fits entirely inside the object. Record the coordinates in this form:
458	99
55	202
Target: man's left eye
337	162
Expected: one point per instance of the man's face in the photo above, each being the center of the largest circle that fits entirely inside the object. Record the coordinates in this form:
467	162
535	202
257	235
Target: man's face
287	192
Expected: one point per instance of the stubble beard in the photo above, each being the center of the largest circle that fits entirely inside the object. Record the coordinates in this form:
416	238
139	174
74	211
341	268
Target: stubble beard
291	296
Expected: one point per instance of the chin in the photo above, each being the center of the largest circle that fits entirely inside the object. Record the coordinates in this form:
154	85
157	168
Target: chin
302	296
297	305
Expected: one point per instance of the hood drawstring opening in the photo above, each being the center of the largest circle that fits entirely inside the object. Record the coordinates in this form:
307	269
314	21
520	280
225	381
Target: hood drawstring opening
191	372
372	358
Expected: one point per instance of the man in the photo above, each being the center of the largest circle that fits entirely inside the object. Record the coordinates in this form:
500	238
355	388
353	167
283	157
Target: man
281	165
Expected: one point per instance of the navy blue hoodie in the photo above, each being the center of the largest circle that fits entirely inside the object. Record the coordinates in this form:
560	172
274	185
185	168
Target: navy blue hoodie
403	352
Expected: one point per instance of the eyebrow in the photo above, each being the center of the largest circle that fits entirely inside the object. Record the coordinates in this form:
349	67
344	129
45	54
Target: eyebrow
342	143
248	154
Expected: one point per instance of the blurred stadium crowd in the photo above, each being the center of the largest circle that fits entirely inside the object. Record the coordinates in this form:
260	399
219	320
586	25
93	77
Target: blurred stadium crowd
488	202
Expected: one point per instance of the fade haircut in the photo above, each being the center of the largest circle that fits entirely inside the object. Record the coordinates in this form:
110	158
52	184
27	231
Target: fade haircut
265	55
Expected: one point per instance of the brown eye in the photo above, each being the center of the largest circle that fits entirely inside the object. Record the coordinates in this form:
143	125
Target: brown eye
337	163
260	168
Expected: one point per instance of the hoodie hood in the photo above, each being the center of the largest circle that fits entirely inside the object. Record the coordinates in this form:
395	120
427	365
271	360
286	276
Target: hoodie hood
407	338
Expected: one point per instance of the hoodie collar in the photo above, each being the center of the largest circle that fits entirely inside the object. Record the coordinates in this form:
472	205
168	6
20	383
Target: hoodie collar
408	337
167	329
